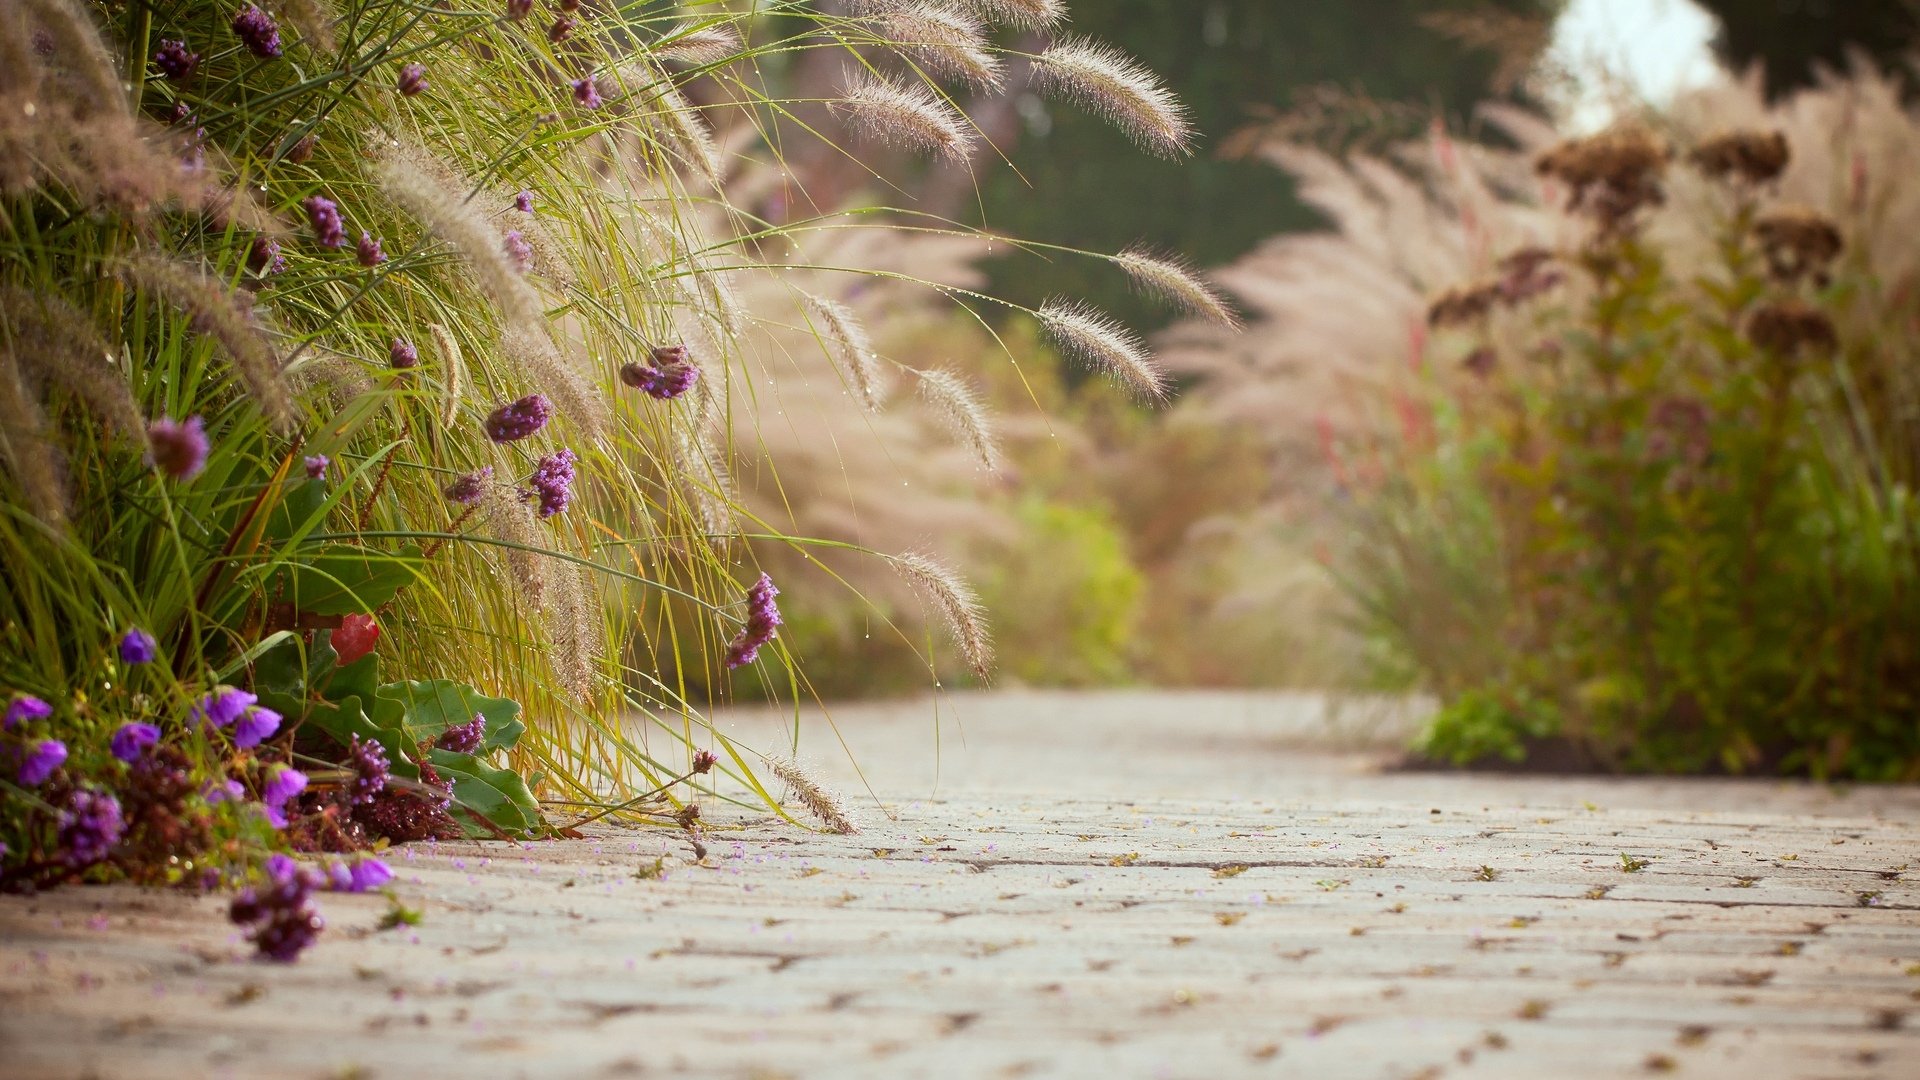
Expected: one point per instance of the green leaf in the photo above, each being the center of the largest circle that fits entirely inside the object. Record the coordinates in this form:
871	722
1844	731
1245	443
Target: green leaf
432	707
344	580
498	795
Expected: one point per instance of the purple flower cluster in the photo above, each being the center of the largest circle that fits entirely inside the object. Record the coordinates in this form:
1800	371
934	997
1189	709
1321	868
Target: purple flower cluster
316	466
179	448
516	246
368	251
263	256
324	215
282	786
258	31
276	912
763	620
364	874
470	488
40	761
670	375
561	30
413	79
252	723
23	709
518	419
133	740
138	647
174	61
89	826
402	355
464	738
368	760
586	92
552	483
523	202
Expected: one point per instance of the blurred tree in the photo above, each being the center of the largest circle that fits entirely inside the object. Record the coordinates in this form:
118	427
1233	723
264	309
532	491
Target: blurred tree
1795	38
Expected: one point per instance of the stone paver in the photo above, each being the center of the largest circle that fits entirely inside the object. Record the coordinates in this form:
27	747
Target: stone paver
1132	885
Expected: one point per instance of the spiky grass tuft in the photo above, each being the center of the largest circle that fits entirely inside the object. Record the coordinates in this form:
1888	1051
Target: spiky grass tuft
1104	344
818	800
1107	81
958	605
228	317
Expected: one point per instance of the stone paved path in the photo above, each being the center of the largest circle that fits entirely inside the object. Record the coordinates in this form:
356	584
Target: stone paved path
1100	885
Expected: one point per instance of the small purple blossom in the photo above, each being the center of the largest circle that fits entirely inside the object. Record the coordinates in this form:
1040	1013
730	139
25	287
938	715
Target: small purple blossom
413	79
316	466
464	738
470	488
368	251
670	375
519	9
133	740
401	354
516	246
89	826
258	30
552	483
224	705
264	257
763	621
179	447
174	61
138	647
368	760
42	759
324	215
279	921
282	785
518	419
24	708
364	874
225	791
523	202
586	92
255	726
561	30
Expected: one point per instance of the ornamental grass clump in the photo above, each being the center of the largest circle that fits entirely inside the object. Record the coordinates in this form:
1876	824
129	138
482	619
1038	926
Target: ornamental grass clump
317	325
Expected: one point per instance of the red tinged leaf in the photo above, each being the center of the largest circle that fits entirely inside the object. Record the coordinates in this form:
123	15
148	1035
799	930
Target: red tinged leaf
356	637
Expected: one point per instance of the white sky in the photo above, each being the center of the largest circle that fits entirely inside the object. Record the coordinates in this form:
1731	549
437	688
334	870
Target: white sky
1651	48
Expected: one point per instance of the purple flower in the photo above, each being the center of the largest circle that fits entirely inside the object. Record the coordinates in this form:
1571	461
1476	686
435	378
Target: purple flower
283	784
316	465
413	79
42	758
401	354
518	250
178	448
464	738
255	726
25	707
263	256
560	31
523	202
552	483
138	647
224	705
225	791
519	9
133	740
364	874
670	375
174	61
89	826
276	913
368	760
281	868
470	488
368	251
257	29
518	419
324	215
586	92
763	620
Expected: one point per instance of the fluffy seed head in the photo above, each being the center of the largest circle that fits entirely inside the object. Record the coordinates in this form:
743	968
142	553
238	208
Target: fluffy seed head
1025	14
908	116
228	318
1113	84
1099	341
945	41
960	409
958	604
1174	280
847	342
819	801
692	43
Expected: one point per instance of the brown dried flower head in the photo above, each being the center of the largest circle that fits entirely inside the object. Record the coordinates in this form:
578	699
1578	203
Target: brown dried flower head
1798	241
1786	327
1464	305
1745	154
1610	176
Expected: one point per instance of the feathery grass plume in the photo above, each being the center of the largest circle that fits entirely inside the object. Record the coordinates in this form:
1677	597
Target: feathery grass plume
1104	79
78	48
314	19
688	132
26	448
959	605
694	43
1105	344
572	392
1173	279
945	41
453	377
911	117
960	409
1025	14
572	616
819	801
58	346
435	193
849	346
226	316
511	521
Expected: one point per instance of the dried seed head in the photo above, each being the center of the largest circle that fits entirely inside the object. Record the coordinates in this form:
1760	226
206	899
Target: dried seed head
693	43
1173	279
54	344
1787	326
908	116
226	316
1099	341
573	626
1754	157
847	342
1799	241
433	191
1113	84
1025	14
25	447
509	519
819	801
960	409
945	41
958	604
453	376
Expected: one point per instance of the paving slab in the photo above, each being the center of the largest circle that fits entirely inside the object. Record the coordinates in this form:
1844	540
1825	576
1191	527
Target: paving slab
1142	884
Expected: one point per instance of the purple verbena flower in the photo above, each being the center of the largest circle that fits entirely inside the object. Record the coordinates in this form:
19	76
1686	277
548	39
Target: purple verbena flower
586	92
324	215
179	448
763	621
552	483
523	202
368	251
561	30
264	257
413	79
23	708
516	246
464	738
223	706
470	488
89	826
670	375
174	61
255	726
401	354
42	759
368	760
276	913
138	647
258	30
519	9
133	740
316	465
518	419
